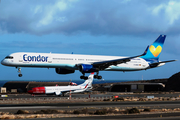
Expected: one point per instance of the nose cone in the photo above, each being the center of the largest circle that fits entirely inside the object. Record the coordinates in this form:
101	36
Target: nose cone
3	62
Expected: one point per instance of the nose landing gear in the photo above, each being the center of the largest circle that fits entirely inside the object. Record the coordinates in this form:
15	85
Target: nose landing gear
19	71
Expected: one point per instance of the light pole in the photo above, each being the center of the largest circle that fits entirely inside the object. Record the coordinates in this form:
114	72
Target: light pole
70	90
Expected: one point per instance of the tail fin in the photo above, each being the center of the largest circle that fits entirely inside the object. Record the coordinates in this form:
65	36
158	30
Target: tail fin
89	81
155	49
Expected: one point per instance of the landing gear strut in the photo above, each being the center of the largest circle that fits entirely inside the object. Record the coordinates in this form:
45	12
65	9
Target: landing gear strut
19	71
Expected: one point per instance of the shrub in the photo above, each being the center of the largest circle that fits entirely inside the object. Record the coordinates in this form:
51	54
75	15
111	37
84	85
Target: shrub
47	112
101	112
118	99
22	112
107	100
147	110
141	99
121	98
76	112
84	111
67	112
133	110
91	113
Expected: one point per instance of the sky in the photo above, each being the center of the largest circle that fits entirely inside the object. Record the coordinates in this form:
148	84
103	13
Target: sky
92	27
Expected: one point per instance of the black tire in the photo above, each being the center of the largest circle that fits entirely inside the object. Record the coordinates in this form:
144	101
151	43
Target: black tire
85	78
99	77
81	77
20	75
95	76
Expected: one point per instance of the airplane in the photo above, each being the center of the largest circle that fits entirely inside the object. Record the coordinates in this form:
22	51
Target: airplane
68	63
73	84
61	90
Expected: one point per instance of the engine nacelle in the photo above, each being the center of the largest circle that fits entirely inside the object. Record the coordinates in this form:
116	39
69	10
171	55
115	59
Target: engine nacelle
64	71
58	93
85	68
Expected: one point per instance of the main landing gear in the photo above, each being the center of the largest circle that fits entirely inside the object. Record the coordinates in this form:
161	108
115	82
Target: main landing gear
98	77
95	76
19	71
84	77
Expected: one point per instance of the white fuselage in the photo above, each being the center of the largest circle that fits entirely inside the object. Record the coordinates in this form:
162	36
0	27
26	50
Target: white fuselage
70	61
58	89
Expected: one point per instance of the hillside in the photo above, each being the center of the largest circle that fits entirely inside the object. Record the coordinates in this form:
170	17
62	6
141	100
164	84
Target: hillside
173	83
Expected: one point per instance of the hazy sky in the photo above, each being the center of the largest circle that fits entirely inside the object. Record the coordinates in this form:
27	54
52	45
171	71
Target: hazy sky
100	27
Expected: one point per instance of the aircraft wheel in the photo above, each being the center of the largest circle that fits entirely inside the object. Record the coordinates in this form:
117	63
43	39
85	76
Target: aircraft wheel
81	77
95	76
99	77
20	75
85	78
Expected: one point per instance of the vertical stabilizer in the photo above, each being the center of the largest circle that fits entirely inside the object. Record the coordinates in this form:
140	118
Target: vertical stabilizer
155	49
88	81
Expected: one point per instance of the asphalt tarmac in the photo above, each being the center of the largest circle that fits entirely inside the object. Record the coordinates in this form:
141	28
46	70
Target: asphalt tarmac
121	104
69	106
165	116
109	94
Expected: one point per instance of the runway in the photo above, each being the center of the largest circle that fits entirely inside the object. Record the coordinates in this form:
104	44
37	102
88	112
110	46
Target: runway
109	118
127	117
108	94
66	106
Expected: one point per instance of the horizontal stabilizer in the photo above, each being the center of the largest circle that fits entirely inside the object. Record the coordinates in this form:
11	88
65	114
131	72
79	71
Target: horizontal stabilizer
157	63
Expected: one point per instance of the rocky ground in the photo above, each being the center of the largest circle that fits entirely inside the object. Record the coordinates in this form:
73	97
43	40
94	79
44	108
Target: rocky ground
25	114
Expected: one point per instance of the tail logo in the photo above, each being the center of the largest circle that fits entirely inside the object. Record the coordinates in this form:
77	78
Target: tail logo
155	51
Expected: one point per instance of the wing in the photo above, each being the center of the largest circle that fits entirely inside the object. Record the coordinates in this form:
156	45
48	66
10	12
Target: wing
105	64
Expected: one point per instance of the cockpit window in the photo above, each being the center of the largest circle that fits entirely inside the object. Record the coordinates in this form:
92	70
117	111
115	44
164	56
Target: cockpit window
8	57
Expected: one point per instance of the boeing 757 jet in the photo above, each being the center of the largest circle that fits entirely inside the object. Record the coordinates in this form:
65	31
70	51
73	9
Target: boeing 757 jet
68	63
61	90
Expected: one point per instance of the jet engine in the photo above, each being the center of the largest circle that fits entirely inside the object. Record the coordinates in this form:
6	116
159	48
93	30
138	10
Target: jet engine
64	71
85	68
58	93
